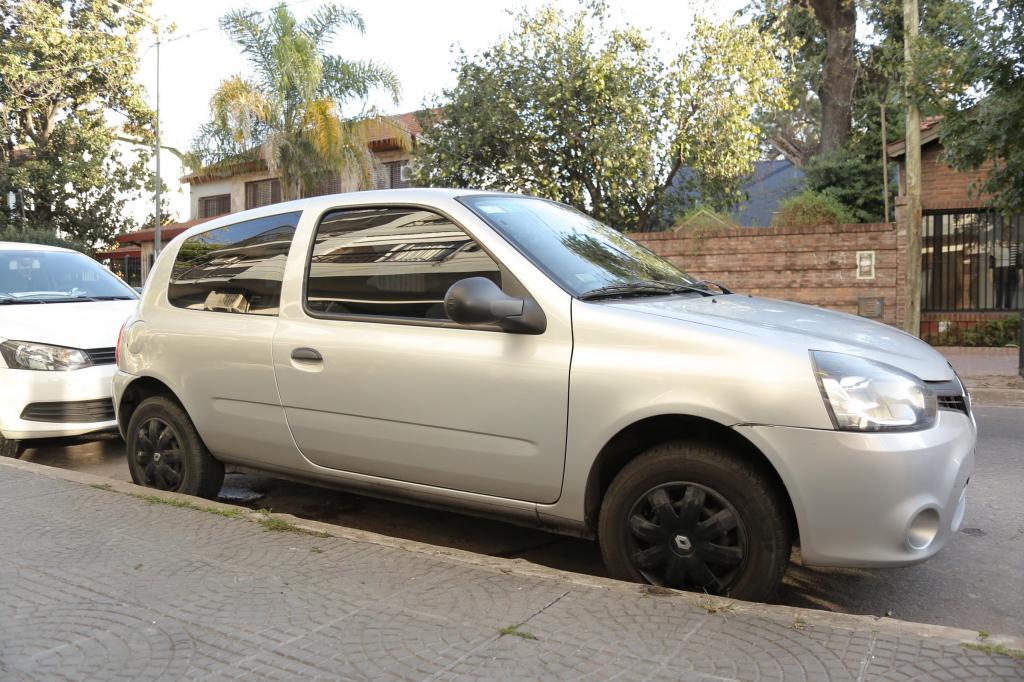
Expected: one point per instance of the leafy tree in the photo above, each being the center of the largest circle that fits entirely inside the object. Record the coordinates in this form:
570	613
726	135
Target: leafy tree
982	124
838	141
66	68
570	108
289	113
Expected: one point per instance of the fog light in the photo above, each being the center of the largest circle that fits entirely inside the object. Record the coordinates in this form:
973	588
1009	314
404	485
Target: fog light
923	529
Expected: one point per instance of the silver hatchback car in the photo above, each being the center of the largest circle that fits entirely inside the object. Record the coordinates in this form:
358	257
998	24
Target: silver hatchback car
512	357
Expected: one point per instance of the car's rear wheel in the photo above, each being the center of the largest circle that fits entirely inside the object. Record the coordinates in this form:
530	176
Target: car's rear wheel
10	448
165	451
693	517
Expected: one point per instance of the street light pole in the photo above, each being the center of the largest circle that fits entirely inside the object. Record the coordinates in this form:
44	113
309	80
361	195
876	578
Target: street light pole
156	127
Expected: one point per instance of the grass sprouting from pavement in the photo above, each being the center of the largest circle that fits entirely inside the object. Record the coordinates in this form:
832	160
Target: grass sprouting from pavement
275	524
516	632
272	523
713	605
266	518
187	504
995	650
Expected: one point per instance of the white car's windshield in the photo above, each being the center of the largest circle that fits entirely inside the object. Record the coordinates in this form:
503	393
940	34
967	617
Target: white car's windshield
56	276
586	257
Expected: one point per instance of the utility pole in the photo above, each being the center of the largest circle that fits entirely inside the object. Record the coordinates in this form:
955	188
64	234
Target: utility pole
912	286
885	167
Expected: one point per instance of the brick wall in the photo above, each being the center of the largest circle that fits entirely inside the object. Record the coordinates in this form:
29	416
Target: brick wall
815	265
943	188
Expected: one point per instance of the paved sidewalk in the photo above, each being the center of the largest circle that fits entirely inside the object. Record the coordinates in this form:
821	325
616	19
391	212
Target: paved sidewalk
97	584
981	362
991	374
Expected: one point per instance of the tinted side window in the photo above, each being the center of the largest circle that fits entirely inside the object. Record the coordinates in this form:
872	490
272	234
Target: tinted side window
234	269
396	262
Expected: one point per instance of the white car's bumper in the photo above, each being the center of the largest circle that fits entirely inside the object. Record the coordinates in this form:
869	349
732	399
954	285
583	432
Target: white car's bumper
40	404
873	499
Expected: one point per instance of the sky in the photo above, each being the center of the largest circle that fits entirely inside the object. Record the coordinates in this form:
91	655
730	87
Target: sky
415	39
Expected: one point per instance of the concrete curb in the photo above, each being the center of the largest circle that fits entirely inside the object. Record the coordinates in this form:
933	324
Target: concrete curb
521	567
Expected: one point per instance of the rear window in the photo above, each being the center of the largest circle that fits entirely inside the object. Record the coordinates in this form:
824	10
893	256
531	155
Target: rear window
234	269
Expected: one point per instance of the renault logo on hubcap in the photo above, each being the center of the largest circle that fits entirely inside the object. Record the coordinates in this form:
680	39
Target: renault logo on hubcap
683	543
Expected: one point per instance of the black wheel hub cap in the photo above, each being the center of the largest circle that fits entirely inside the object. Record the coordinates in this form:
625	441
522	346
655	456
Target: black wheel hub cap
158	455
686	536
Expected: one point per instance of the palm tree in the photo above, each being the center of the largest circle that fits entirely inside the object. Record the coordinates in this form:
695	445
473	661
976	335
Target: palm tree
289	111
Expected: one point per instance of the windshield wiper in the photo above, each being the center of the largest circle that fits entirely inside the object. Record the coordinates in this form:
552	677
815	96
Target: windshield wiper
56	299
704	282
646	288
651	288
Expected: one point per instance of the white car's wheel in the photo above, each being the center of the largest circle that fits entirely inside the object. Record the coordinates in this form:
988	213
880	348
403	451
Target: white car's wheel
10	448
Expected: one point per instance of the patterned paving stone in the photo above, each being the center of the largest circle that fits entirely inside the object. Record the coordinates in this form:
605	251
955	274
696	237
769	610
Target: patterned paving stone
95	640
99	585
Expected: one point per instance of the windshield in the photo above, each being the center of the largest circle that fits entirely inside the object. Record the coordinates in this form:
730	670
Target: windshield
580	253
52	276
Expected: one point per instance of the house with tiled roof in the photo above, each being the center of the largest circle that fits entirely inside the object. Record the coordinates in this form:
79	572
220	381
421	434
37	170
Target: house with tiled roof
237	185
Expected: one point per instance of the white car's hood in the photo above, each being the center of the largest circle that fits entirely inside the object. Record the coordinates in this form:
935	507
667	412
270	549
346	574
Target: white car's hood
89	324
816	328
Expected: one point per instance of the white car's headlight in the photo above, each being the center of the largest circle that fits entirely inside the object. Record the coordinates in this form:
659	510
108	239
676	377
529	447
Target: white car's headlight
40	356
863	395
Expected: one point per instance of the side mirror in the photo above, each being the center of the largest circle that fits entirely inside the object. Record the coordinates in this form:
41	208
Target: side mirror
478	300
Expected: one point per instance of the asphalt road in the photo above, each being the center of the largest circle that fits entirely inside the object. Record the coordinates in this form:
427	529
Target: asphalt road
976	582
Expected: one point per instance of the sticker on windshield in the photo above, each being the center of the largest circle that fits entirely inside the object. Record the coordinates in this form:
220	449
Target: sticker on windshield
486	208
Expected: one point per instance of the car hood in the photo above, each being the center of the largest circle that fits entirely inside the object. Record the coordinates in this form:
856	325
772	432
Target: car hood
812	328
89	324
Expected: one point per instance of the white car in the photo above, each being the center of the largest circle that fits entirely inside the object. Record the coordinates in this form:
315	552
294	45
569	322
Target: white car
60	314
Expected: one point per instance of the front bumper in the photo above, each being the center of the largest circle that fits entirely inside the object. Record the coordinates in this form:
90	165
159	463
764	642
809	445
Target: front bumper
873	499
59	402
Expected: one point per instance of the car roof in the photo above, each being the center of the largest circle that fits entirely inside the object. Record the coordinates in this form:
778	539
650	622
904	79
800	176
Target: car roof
412	195
25	246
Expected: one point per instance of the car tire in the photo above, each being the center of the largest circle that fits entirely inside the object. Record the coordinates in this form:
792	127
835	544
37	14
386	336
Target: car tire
692	516
10	448
165	451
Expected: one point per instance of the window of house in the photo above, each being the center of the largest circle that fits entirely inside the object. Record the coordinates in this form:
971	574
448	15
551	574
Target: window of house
329	184
262	193
392	175
972	261
394	262
234	269
214	206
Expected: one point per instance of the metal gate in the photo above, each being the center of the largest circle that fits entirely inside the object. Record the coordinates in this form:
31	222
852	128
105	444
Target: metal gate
972	261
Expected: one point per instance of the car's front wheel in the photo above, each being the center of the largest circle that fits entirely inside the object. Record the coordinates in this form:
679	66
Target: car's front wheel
166	452
694	517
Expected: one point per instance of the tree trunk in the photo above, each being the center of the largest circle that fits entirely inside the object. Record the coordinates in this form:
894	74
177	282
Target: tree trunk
838	19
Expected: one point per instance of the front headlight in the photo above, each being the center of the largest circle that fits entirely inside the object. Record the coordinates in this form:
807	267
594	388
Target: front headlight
863	395
28	355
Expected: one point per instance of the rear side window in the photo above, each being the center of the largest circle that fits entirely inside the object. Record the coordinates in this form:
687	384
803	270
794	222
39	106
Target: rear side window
391	262
234	269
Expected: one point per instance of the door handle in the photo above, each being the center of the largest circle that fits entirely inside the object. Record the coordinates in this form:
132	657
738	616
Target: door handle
307	355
